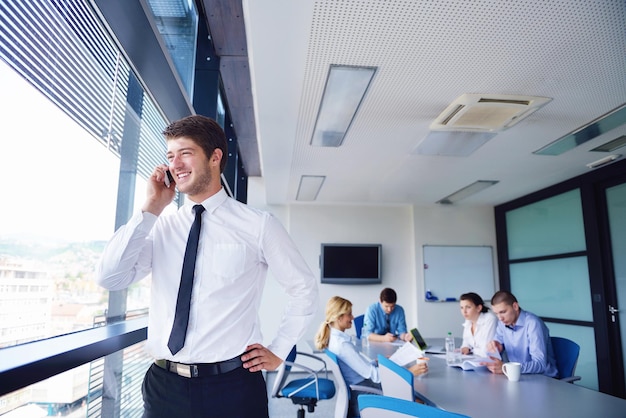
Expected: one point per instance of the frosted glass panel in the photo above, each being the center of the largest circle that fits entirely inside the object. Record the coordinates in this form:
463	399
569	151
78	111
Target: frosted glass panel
616	201
551	226
554	288
587	367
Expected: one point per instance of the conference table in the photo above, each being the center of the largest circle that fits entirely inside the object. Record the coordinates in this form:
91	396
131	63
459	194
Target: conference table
480	393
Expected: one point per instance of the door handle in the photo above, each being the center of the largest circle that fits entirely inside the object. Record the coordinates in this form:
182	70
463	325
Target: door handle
613	311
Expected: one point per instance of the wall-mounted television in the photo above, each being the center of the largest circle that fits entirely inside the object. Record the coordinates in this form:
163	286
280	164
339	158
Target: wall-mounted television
351	263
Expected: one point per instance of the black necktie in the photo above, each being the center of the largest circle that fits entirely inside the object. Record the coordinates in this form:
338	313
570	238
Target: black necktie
181	319
387	324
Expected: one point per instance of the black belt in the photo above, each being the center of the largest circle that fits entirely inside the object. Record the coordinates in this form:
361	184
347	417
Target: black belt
201	369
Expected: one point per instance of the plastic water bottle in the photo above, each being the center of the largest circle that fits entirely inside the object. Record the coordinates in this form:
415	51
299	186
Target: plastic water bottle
451	356
364	341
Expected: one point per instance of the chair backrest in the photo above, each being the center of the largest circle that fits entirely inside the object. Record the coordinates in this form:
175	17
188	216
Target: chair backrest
343	392
566	352
374	406
283	373
396	381
358	325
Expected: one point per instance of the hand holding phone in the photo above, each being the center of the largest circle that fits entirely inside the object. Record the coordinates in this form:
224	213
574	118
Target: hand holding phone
169	179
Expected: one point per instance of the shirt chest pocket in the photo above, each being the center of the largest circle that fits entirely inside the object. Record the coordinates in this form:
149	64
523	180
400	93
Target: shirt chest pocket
228	260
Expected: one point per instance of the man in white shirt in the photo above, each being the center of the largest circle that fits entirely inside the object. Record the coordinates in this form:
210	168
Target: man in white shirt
217	372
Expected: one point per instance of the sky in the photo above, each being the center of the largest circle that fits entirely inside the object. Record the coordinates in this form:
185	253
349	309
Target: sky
58	181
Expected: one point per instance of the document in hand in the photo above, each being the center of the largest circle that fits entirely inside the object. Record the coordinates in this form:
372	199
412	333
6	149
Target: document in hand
472	363
406	354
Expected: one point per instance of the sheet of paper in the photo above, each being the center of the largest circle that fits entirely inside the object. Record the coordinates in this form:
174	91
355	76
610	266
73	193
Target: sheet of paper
406	353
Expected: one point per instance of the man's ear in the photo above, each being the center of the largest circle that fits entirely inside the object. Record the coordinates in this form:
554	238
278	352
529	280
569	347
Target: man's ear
515	306
216	157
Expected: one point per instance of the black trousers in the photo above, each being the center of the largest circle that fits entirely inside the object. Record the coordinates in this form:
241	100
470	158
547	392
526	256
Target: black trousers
238	394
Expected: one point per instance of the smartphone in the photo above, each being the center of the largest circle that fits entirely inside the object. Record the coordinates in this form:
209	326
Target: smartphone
169	179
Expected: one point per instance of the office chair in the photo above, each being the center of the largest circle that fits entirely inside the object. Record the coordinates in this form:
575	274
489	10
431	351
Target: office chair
566	353
358	325
372	406
344	392
397	381
303	391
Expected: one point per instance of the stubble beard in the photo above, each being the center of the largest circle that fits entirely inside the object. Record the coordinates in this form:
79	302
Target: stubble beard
200	184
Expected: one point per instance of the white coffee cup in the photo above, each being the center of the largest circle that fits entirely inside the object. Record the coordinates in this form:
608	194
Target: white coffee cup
419	361
512	370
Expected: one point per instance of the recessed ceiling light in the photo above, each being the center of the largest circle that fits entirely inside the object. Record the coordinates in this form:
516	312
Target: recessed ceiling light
345	89
466	191
593	129
309	187
611	145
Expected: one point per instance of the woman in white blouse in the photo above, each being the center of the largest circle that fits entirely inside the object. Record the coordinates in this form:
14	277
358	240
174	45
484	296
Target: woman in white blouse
479	327
355	368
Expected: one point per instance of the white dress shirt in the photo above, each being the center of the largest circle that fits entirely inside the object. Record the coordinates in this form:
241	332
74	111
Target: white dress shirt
354	367
484	332
237	246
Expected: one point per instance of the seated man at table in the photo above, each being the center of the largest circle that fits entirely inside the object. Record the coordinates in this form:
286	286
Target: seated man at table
355	368
521	336
384	320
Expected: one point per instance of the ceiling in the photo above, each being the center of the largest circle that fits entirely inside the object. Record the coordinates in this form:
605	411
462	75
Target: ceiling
427	54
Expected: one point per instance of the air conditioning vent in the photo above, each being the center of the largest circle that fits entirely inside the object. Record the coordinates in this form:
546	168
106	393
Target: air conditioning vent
486	113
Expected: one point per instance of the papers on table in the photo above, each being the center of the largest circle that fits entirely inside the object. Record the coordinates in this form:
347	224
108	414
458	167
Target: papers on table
406	354
471	363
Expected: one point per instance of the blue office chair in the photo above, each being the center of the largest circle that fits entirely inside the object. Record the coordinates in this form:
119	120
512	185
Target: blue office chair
566	353
306	391
372	406
397	381
344	392
358	325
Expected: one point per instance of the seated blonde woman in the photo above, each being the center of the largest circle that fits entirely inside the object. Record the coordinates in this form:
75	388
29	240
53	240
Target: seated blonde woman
355	368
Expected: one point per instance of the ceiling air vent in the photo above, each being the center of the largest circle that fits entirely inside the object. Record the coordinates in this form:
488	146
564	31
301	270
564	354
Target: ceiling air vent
486	112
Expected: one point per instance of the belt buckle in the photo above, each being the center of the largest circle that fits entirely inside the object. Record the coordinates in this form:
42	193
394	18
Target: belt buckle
185	370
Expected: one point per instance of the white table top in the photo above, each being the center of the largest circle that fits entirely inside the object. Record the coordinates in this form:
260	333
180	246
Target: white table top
483	394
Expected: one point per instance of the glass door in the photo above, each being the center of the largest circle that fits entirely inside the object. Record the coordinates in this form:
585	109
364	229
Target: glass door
616	206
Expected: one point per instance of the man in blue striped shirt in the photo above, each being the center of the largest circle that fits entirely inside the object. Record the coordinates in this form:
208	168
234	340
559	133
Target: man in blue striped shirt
521	337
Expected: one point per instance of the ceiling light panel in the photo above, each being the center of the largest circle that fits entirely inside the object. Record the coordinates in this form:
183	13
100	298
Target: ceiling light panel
345	89
595	128
611	145
452	144
467	191
310	187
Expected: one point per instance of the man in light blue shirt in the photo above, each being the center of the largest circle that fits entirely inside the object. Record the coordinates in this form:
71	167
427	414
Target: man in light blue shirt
384	320
521	337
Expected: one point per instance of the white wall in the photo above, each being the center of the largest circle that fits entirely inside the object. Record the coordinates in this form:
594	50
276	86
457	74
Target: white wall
402	230
448	225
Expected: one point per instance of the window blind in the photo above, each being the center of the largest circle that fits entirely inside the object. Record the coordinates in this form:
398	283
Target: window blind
64	50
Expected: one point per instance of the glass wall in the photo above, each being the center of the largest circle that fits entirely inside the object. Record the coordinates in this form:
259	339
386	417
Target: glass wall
177	22
79	392
549	272
616	204
49	246
80	136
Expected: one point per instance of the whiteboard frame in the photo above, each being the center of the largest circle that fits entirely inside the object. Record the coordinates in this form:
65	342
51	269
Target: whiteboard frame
451	270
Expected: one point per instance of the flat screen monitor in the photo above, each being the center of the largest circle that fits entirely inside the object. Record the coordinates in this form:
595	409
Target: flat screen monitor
351	263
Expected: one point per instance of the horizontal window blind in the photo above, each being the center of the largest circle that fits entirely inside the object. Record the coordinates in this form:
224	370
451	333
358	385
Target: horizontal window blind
64	50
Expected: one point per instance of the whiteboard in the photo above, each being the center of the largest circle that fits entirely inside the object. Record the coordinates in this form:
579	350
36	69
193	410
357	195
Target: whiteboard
450	271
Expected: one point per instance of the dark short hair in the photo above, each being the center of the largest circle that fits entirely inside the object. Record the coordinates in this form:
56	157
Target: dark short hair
475	299
503	296
204	131
388	295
